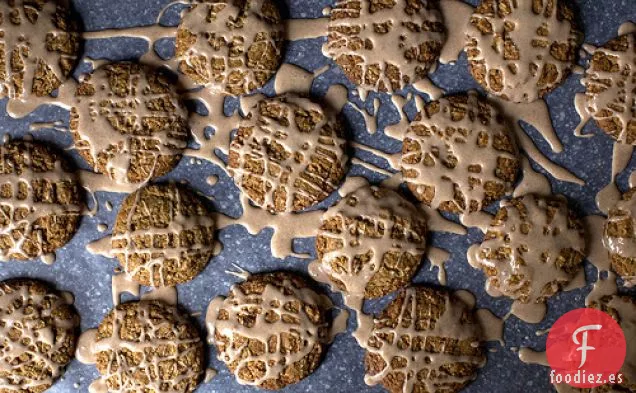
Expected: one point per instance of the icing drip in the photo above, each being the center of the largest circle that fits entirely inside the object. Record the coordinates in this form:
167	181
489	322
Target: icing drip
619	238
531	250
409	35
456	16
37	336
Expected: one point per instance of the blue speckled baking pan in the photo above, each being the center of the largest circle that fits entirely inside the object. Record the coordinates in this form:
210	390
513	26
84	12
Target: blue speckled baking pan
89	276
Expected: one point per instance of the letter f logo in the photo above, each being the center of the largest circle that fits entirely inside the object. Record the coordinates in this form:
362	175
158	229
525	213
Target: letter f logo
583	343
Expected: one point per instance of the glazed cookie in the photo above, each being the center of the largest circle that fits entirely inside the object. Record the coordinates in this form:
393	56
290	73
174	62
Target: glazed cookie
521	50
148	346
426	340
38	330
533	247
271	331
620	237
610	81
385	44
232	47
289	154
459	155
128	122
40	46
371	243
41	200
163	235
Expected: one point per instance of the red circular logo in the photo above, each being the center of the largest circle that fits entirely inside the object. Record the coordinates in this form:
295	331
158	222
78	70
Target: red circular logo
586	348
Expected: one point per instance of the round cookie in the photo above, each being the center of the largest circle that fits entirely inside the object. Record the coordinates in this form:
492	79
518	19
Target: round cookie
426	340
610	81
371	243
522	50
459	155
149	346
533	248
385	44
232	47
41	200
38	330
40	46
289	154
619	237
271	331
128	122
163	235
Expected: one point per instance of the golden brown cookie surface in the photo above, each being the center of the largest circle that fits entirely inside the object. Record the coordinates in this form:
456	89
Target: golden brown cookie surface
128	122
289	155
41	201
40	45
620	237
521	50
532	249
459	155
163	235
425	340
385	44
271	330
38	330
230	46
149	346
610	82
372	242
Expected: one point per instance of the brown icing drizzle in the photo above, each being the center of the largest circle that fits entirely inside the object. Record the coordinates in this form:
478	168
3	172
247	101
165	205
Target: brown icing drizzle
522	48
280	312
38	193
376	231
531	250
289	154
161	329
39	44
34	324
429	335
410	36
610	82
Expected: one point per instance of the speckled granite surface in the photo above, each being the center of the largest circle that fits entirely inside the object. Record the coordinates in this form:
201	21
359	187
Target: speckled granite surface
88	276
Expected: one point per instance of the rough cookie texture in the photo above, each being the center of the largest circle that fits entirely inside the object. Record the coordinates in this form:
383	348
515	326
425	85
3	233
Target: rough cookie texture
460	155
149	347
39	45
533	247
231	46
38	330
271	330
521	50
163	235
408	35
425	340
372	242
289	154
128	122
620	237
41	200
610	82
